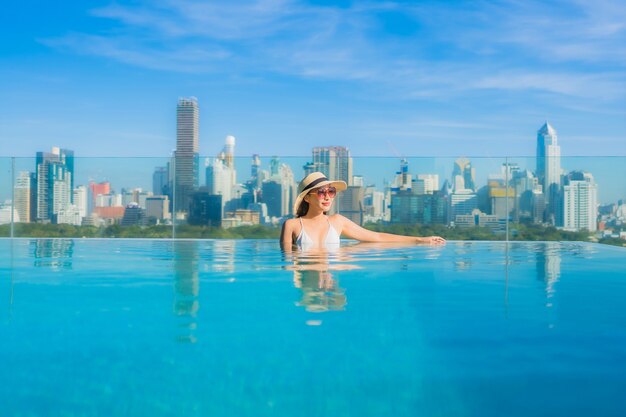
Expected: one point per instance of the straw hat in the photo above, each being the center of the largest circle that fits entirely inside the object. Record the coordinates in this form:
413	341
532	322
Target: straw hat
315	180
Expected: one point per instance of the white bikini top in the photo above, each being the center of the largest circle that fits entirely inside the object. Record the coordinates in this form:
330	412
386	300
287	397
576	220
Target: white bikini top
331	241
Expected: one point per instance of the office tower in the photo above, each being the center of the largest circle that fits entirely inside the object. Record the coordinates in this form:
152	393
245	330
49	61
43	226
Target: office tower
102	188
580	202
25	196
272	192
333	161
402	180
374	204
351	204
549	171
462	202
186	157
220	174
228	153
160	179
206	209
157	208
283	175
81	200
410	208
501	200
463	175
425	184
526	185
54	172
133	215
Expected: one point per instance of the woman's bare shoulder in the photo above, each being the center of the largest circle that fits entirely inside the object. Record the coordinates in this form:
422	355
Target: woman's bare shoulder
290	223
337	219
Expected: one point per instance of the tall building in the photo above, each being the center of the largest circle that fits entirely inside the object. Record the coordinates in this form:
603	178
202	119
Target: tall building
402	180
549	171
55	179
206	209
580	202
95	190
334	161
81	200
186	157
157	208
26	196
463	175
352	205
228	153
221	176
426	184
160	179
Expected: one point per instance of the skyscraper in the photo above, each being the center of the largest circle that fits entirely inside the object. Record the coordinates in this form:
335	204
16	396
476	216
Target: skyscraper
580	202
186	157
463	175
26	196
55	177
549	171
160	179
334	161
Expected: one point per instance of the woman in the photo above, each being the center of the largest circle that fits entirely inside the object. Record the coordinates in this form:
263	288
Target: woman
312	228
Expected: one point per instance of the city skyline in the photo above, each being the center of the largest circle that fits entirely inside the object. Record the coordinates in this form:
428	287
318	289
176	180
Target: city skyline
549	195
393	79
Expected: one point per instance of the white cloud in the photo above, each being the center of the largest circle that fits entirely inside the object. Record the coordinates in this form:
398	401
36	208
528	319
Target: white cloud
571	49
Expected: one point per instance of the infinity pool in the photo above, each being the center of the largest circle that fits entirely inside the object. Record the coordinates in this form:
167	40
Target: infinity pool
238	328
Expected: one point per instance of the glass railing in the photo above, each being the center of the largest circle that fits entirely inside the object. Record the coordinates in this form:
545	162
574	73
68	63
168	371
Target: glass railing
476	198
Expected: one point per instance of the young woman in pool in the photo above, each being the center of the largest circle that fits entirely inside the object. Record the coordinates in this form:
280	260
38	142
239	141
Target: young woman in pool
313	228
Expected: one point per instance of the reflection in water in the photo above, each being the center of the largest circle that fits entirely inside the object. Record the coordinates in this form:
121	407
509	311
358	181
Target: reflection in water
549	265
464	252
223	255
312	276
186	287
53	253
320	291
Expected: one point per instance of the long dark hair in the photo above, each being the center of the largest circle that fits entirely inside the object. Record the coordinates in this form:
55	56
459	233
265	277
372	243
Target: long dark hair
303	209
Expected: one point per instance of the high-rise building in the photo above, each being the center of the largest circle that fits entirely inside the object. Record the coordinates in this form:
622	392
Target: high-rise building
228	153
402	180
463	175
26	196
580	202
157	208
333	161
549	171
81	200
206	209
186	157
55	172
160	180
351	204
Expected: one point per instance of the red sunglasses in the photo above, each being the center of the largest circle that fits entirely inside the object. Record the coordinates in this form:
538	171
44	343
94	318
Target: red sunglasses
321	192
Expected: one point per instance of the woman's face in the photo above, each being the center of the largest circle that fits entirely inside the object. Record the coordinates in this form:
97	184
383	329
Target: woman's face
322	197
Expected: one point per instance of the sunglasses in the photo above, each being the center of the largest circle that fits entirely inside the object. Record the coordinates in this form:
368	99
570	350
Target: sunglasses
321	192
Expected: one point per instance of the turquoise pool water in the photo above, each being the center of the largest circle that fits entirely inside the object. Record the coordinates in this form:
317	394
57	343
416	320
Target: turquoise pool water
237	328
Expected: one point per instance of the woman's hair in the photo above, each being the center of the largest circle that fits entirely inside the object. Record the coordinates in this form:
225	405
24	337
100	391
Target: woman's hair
303	209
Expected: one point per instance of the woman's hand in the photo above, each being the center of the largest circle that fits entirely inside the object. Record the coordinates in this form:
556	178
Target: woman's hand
432	240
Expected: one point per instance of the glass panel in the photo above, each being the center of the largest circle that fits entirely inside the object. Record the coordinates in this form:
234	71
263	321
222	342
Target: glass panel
59	195
6	204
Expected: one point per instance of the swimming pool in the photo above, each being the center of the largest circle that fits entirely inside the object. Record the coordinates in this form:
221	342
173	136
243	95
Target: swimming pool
237	328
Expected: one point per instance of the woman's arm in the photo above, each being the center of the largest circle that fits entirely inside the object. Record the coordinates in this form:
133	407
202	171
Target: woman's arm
286	235
354	231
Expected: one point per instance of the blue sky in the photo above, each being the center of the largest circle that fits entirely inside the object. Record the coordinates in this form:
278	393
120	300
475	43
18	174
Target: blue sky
397	78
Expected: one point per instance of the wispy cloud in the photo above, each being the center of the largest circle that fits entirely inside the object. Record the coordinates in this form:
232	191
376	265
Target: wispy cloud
561	48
